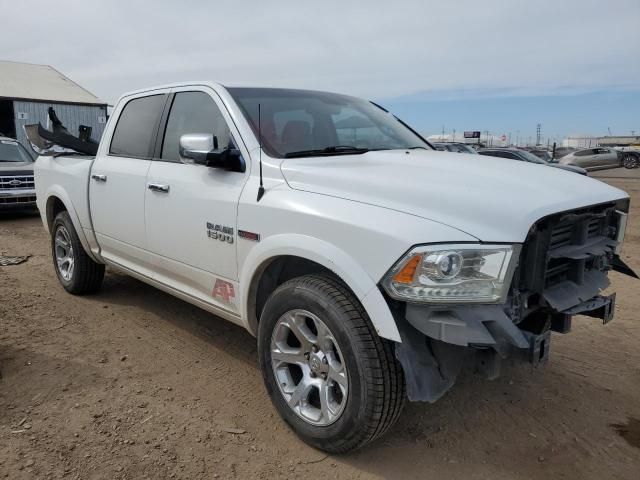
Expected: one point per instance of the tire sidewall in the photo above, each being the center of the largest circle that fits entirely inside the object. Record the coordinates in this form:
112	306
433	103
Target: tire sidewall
289	297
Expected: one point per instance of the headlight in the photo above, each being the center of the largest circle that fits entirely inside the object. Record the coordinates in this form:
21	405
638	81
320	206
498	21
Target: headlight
464	273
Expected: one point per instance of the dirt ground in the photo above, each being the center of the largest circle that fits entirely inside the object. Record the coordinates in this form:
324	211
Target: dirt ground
133	383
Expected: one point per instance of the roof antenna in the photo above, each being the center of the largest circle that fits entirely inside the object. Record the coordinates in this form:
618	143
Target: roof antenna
261	189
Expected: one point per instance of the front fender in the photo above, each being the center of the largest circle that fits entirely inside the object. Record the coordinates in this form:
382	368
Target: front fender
329	256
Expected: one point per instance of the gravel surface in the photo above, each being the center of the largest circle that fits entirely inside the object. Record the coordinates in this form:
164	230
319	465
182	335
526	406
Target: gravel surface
133	383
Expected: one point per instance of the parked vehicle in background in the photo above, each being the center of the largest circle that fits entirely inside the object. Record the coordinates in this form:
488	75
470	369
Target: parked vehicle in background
524	156
17	190
540	153
562	151
630	156
454	147
366	274
593	158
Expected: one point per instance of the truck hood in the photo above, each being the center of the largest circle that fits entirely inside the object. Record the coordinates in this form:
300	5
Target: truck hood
492	199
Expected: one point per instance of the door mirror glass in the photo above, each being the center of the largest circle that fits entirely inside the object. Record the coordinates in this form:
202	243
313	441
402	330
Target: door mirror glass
202	149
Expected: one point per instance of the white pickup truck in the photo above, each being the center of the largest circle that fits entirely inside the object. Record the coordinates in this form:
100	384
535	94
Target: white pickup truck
369	266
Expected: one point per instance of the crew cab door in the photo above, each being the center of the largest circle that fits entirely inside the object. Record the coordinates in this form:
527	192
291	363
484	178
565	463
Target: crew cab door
189	206
118	181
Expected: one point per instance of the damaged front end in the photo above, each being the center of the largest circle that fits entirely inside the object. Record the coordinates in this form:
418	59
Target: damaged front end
562	268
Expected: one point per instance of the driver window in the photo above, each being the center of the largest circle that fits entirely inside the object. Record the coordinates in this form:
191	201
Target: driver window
193	112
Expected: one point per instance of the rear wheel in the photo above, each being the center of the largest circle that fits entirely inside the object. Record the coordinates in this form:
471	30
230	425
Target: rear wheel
631	161
329	375
75	270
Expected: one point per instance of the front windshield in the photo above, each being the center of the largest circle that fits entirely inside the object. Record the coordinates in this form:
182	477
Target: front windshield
310	123
11	151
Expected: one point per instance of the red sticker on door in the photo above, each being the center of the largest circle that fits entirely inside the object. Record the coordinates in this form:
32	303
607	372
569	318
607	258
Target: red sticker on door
224	291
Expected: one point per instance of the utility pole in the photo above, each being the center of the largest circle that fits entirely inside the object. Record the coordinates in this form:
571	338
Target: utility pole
442	136
538	131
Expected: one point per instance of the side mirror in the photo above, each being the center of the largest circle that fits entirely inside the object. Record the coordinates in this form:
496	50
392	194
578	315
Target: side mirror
202	149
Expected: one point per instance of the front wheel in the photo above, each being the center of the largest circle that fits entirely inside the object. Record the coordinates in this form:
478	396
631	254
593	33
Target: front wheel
75	270
330	376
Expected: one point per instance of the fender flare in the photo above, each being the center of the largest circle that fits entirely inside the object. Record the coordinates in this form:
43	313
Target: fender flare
332	258
61	194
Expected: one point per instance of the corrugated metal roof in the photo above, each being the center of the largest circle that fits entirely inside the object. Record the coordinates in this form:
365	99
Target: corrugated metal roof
41	82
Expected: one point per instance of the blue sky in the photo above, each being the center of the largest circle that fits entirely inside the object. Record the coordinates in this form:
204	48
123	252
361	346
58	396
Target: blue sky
587	113
497	65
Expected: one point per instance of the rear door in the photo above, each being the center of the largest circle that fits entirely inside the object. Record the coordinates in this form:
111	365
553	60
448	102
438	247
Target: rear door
607	157
191	209
118	181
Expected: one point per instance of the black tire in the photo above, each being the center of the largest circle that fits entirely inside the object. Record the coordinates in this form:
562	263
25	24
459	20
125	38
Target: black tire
87	275
376	381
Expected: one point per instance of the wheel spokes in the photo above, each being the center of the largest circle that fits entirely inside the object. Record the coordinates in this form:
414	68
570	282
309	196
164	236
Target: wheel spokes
300	393
63	252
289	356
308	367
338	377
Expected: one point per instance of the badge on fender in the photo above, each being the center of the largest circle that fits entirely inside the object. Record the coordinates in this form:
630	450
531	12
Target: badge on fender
220	232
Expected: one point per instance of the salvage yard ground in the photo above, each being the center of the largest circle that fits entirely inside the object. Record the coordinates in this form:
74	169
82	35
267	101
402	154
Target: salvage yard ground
133	383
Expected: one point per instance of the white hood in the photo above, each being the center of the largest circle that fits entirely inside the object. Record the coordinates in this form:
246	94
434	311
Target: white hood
492	199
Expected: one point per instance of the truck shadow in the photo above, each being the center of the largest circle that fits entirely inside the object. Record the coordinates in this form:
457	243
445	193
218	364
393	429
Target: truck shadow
121	289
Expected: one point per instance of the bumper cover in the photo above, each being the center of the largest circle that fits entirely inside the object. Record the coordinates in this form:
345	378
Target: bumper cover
435	342
17	198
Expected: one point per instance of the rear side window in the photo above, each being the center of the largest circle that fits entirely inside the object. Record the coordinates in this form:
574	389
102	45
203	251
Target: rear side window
193	112
137	126
584	153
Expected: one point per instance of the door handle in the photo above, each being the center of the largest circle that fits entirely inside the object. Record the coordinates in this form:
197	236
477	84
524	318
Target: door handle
158	187
99	178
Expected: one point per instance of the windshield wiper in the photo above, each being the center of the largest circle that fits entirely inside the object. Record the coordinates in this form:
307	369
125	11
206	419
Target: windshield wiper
334	150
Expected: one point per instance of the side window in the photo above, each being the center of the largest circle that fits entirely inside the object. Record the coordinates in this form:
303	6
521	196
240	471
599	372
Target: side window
136	127
585	153
193	112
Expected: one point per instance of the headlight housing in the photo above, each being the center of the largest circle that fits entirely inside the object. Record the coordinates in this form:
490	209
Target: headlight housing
460	273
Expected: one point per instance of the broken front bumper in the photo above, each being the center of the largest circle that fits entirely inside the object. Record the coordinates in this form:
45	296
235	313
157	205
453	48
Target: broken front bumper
438	343
562	270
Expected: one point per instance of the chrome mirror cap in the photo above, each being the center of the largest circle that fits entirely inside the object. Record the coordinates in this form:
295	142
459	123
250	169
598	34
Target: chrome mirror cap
195	147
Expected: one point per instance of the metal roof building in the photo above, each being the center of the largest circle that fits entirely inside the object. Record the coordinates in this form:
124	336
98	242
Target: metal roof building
28	90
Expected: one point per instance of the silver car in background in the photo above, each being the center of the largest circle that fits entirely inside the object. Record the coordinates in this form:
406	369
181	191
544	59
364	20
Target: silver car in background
593	158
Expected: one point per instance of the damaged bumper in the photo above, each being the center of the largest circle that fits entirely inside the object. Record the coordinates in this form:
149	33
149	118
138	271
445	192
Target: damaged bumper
562	269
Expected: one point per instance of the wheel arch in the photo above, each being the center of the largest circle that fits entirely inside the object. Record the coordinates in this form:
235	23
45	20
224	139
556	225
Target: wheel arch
289	256
58	201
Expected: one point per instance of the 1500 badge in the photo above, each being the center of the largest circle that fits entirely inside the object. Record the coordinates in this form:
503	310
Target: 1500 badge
220	232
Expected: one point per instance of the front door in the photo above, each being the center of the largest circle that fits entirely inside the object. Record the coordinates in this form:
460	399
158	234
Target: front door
118	182
191	209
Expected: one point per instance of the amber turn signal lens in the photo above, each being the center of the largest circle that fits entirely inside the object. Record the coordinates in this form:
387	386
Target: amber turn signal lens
406	274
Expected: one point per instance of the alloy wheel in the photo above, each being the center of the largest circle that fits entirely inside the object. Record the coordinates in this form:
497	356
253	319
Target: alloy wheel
64	253
309	367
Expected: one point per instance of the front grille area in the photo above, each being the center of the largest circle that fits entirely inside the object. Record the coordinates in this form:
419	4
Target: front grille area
17	200
566	257
17	182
